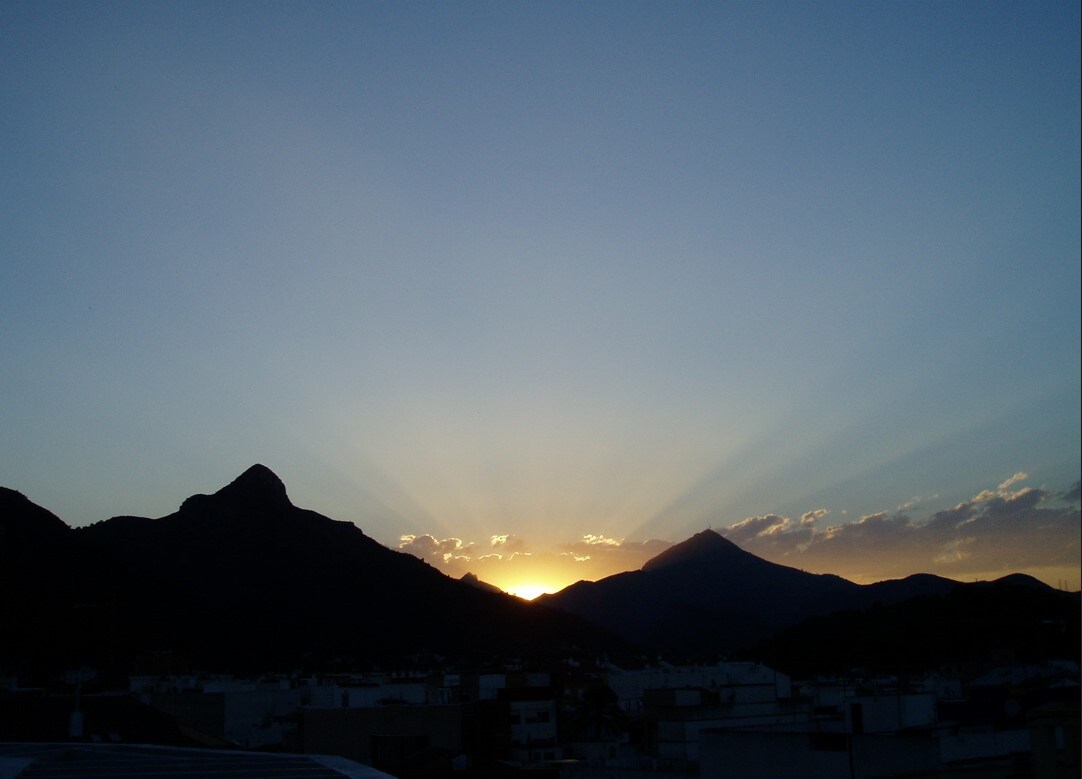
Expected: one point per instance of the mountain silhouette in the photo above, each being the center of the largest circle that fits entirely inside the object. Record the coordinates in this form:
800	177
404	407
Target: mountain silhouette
1015	620
38	574
706	594
25	523
705	548
473	580
243	579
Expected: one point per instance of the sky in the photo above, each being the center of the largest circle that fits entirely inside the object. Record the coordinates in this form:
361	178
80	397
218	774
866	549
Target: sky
535	289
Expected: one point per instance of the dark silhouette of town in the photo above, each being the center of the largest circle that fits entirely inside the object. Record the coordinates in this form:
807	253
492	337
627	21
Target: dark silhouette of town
242	635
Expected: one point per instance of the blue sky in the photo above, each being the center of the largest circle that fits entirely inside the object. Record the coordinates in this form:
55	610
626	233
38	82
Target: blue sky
551	270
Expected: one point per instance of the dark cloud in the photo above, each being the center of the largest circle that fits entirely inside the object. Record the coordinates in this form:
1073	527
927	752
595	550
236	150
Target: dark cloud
773	536
1024	500
754	527
1074	494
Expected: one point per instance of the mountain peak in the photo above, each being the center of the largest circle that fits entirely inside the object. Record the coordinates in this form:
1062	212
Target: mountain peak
257	487
1022	580
473	580
257	483
701	547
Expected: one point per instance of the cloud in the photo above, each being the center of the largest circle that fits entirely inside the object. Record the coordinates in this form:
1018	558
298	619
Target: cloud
773	536
449	552
955	551
754	527
592	540
1006	529
1073	494
603	547
910	504
507	542
429	547
1006	485
505	559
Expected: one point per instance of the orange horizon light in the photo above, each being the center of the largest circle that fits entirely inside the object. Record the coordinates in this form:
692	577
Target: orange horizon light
530	590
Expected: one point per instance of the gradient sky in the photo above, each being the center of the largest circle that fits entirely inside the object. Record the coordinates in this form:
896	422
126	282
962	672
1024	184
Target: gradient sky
545	278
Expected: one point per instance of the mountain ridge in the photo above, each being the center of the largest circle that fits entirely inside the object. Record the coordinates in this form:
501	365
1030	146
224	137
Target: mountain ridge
707	594
243	579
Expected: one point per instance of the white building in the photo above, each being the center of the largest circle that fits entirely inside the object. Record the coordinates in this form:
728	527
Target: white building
742	681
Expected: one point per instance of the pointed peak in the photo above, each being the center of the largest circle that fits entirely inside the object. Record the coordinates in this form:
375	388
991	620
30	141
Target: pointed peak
473	580
259	473
258	482
256	487
707	545
708	536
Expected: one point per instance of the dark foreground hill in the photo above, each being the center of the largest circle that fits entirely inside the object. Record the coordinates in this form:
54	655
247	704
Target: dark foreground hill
1015	620
707	596
244	580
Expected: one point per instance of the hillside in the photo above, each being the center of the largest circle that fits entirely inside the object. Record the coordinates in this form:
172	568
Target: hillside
243	579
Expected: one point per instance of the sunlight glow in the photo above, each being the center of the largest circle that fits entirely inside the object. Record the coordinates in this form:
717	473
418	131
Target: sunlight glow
530	590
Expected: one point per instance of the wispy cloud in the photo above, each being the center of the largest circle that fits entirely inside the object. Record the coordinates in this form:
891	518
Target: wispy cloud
611	549
594	540
507	543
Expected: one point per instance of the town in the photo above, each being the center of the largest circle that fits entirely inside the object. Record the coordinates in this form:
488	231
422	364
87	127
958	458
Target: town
587	719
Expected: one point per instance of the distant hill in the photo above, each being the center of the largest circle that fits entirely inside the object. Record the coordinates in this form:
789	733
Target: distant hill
1015	620
243	579
707	596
